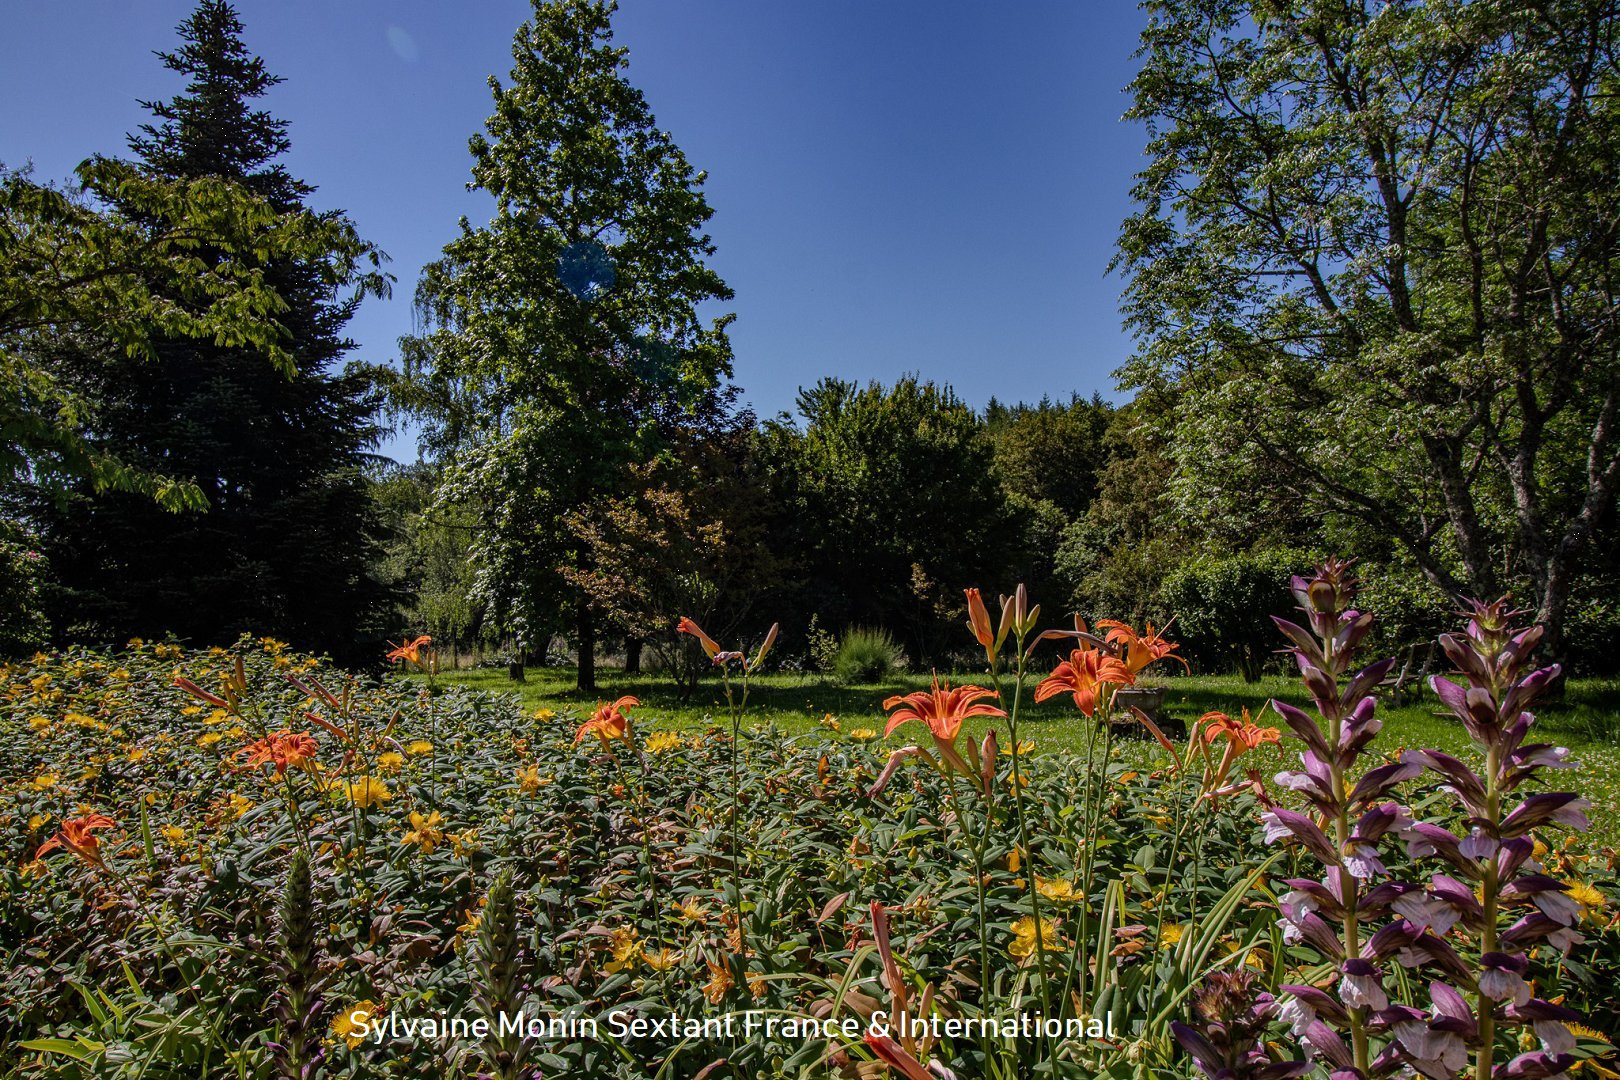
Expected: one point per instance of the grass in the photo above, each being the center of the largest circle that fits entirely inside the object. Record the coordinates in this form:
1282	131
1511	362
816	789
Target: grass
1587	720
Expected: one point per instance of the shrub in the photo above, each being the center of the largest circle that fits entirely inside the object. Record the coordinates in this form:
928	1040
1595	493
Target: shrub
866	655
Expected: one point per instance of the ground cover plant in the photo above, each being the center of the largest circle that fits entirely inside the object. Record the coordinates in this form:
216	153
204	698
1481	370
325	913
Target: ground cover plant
238	862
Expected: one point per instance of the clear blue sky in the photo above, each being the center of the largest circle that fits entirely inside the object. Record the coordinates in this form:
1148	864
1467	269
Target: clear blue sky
928	186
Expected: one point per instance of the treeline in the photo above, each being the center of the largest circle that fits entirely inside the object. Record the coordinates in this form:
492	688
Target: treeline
1375	366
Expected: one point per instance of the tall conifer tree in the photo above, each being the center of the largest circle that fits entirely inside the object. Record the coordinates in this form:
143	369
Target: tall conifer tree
563	330
287	542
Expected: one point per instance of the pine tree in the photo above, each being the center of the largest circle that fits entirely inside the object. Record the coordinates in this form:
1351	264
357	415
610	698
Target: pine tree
288	539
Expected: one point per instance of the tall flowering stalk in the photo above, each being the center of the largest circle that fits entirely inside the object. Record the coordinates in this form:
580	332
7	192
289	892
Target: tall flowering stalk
297	1053
1501	882
736	702
1338	915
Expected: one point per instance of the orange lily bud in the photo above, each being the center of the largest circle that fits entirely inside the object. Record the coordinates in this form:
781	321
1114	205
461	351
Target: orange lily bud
198	692
770	639
687	626
1007	617
979	620
987	762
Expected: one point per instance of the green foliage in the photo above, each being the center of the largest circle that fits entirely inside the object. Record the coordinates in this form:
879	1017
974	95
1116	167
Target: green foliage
866	655
886	504
536	391
1223	606
1371	259
23	625
119	266
267	433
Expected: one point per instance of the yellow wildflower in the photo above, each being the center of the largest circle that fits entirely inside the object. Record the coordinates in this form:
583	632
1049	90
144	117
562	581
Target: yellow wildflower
659	741
626	949
137	754
690	910
38	723
174	834
240	804
463	844
425	832
543	714
474	918
1171	935
530	780
863	734
1026	746
354	1022
418	748
1590	898
390	762
720	982
1060	891
830	722
662	960
43	782
37	821
209	738
367	792
1025	942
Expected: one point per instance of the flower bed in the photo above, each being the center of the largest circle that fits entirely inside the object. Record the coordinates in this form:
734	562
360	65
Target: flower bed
266	868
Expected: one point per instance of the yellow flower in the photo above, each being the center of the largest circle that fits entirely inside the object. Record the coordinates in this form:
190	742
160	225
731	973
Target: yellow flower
463	844
543	714
174	834
218	716
137	754
38	723
659	741
354	1022
425	832
240	804
662	960
830	722
390	762
530	780
626	949
209	738
474	918
863	734
690	910
1060	891
419	748
1590	898
190	710
1013	861
43	782
1171	935
367	792
1024	941
36	821
1026	746
720	981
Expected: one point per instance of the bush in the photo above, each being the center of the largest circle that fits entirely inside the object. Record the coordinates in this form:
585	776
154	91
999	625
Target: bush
866	655
1222	606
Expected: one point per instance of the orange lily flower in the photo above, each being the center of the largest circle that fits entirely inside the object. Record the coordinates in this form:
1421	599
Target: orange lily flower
711	647
1139	650
1241	737
940	708
282	749
1245	734
1084	674
410	651
76	836
608	722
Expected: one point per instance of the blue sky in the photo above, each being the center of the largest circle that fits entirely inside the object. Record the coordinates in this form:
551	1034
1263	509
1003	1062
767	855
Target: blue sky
901	186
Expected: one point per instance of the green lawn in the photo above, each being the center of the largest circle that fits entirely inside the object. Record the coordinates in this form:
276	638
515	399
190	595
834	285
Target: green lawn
1587	720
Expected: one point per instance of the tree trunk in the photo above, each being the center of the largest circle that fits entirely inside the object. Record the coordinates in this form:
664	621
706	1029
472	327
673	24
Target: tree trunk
585	628
632	656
